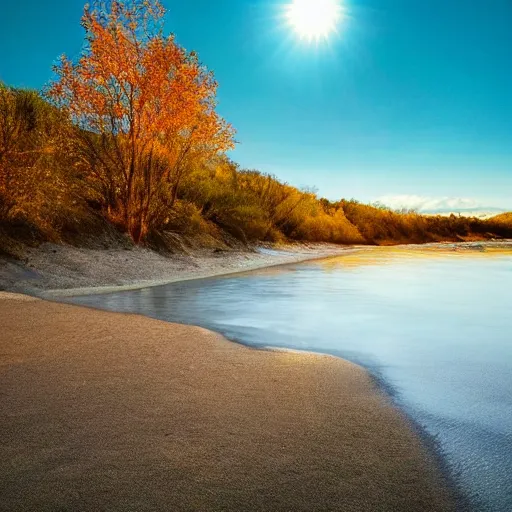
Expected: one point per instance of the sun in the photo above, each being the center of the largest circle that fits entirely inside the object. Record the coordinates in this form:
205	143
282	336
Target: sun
314	19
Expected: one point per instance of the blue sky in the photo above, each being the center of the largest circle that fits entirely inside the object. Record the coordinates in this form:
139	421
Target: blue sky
409	100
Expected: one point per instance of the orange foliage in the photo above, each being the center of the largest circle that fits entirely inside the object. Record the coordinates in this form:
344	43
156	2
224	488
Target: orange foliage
145	108
137	137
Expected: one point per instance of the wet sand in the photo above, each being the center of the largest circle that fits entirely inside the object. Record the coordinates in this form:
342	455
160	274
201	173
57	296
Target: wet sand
104	411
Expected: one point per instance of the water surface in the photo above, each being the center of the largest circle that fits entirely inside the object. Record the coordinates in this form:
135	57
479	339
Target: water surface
435	326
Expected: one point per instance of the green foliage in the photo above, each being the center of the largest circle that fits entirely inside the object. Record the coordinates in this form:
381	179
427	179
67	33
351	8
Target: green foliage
254	206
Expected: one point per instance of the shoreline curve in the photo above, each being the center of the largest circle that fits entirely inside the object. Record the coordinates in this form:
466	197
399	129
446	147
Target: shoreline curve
106	408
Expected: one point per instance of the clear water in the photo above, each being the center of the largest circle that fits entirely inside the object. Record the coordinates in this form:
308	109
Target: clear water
435	326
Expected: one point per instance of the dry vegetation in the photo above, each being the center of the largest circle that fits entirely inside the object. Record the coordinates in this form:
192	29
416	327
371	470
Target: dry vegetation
505	219
127	140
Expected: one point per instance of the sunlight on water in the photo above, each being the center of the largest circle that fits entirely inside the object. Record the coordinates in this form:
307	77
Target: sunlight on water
434	325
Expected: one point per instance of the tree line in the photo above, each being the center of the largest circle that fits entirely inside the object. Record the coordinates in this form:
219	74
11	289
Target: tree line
128	134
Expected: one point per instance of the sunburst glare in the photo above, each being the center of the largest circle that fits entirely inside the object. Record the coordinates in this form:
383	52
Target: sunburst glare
315	19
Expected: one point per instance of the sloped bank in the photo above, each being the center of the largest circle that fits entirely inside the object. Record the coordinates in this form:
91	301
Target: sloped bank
69	270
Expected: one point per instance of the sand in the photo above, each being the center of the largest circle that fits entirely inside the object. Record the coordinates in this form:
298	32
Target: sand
52	270
111	412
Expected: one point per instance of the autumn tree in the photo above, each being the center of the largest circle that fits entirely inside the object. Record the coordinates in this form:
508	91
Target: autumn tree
143	108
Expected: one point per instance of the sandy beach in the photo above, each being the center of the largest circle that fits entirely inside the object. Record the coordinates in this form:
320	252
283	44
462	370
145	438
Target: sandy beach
104	411
52	270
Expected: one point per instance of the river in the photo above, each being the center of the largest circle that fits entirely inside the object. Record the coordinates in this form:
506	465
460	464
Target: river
433	325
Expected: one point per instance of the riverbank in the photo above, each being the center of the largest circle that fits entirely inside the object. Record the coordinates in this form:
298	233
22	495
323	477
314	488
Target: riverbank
52	271
61	270
104	411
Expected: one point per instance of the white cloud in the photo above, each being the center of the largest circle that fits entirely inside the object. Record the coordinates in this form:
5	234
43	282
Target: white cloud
427	204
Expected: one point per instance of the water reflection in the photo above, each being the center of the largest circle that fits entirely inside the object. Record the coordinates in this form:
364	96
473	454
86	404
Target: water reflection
435	325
